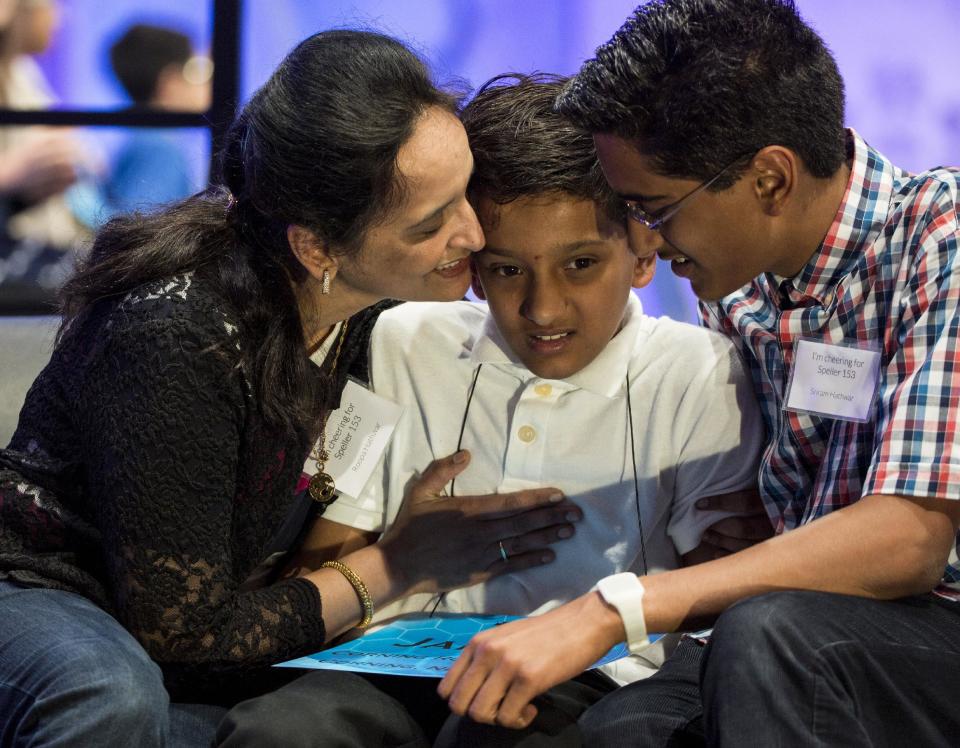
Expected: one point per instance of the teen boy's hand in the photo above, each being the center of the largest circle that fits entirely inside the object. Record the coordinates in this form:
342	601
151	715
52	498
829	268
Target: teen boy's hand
503	669
731	534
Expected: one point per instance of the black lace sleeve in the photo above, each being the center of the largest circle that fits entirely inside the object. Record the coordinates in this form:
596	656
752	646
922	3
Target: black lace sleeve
169	417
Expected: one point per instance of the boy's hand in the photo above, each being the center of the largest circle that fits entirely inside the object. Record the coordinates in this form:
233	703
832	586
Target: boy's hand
732	534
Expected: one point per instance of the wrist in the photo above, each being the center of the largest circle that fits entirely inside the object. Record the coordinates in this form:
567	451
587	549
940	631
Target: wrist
623	595
395	581
606	620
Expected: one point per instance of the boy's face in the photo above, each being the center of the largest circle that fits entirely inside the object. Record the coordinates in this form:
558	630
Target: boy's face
717	241
556	272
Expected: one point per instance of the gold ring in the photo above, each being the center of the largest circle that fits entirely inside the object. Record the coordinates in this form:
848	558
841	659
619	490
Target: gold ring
503	551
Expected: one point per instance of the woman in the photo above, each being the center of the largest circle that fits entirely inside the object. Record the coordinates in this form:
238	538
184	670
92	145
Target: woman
153	470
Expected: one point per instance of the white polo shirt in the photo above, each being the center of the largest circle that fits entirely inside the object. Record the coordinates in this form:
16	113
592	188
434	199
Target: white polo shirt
696	431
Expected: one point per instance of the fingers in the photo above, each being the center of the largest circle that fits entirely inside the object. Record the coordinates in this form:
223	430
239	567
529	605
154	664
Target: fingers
485	685
538	539
532	522
475	685
725	543
495	506
740	528
451	681
516	711
517	562
438	474
526	551
747	501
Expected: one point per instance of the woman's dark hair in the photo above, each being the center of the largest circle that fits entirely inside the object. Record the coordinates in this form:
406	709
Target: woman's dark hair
316	146
522	147
698	84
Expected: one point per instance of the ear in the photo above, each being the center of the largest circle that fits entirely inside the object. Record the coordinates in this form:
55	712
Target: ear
475	283
644	269
774	172
311	252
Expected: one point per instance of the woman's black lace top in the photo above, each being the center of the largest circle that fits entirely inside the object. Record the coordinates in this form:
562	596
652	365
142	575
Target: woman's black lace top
142	477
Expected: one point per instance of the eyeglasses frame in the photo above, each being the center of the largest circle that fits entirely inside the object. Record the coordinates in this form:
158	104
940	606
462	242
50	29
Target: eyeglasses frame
638	214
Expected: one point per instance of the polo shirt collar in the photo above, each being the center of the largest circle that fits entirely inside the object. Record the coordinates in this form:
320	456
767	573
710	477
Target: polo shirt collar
858	223
605	375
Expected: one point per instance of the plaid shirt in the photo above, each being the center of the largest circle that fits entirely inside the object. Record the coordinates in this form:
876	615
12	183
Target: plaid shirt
883	277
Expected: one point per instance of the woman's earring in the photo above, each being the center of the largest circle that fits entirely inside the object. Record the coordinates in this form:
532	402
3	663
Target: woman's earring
325	282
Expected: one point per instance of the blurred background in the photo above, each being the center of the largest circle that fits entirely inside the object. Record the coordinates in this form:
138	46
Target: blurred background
144	61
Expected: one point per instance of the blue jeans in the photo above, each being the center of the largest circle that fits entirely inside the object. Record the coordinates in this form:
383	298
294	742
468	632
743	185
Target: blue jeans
71	675
800	669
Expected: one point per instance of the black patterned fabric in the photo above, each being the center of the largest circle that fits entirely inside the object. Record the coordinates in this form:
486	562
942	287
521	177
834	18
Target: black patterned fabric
142	477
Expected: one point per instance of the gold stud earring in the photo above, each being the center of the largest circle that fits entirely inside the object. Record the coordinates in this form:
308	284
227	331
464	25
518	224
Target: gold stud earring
325	282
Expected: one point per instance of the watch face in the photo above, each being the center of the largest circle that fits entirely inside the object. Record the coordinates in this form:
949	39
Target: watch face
619	587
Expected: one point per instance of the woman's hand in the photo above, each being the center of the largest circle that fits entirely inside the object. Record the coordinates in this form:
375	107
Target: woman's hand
503	669
439	543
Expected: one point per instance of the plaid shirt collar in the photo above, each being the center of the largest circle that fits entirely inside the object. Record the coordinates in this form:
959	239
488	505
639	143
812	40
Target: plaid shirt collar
861	217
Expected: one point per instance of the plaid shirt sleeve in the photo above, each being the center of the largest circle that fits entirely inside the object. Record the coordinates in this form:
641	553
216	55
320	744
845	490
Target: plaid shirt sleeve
917	451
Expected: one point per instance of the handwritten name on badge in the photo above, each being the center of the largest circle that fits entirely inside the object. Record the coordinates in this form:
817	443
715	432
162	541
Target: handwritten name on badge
836	381
356	435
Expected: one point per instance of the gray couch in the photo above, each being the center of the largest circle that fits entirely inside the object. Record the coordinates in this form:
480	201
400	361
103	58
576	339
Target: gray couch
25	347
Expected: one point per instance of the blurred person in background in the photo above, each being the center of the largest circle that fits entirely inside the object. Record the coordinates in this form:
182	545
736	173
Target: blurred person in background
37	167
46	219
158	69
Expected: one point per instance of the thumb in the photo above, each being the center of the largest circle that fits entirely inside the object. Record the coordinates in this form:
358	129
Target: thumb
746	500
438	474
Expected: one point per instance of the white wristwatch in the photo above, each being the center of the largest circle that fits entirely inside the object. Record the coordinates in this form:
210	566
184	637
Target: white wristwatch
625	593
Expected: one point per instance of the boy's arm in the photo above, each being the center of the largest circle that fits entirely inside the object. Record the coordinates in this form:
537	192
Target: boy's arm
837	553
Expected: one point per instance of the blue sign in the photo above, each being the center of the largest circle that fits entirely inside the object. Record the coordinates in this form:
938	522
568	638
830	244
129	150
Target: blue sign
419	646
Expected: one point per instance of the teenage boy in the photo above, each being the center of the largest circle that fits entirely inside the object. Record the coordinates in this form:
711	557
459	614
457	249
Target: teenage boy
564	381
720	125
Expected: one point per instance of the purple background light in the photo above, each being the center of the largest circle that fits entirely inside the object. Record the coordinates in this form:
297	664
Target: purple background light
897	58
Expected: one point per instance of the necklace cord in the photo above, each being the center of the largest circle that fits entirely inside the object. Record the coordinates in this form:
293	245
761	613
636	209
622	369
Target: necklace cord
321	486
633	458
453	483
636	482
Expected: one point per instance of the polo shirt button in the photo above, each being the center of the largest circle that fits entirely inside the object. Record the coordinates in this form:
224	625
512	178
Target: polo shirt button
543	390
527	434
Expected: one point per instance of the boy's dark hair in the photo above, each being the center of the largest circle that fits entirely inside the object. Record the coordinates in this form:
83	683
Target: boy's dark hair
523	147
701	83
142	53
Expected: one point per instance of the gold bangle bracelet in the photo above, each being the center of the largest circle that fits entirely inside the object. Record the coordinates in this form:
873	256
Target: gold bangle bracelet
366	602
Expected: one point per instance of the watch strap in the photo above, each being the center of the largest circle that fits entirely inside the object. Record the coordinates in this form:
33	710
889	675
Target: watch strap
624	592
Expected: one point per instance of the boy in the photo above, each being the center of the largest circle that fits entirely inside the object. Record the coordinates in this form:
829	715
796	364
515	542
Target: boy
564	381
158	69
721	125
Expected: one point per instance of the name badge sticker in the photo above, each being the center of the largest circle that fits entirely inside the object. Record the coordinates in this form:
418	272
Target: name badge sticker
357	434
836	381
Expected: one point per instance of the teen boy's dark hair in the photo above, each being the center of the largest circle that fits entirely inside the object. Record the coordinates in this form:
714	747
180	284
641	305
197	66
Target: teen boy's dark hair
522	147
700	83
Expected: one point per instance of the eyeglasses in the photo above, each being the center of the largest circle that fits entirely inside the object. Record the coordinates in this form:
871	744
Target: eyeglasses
655	222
